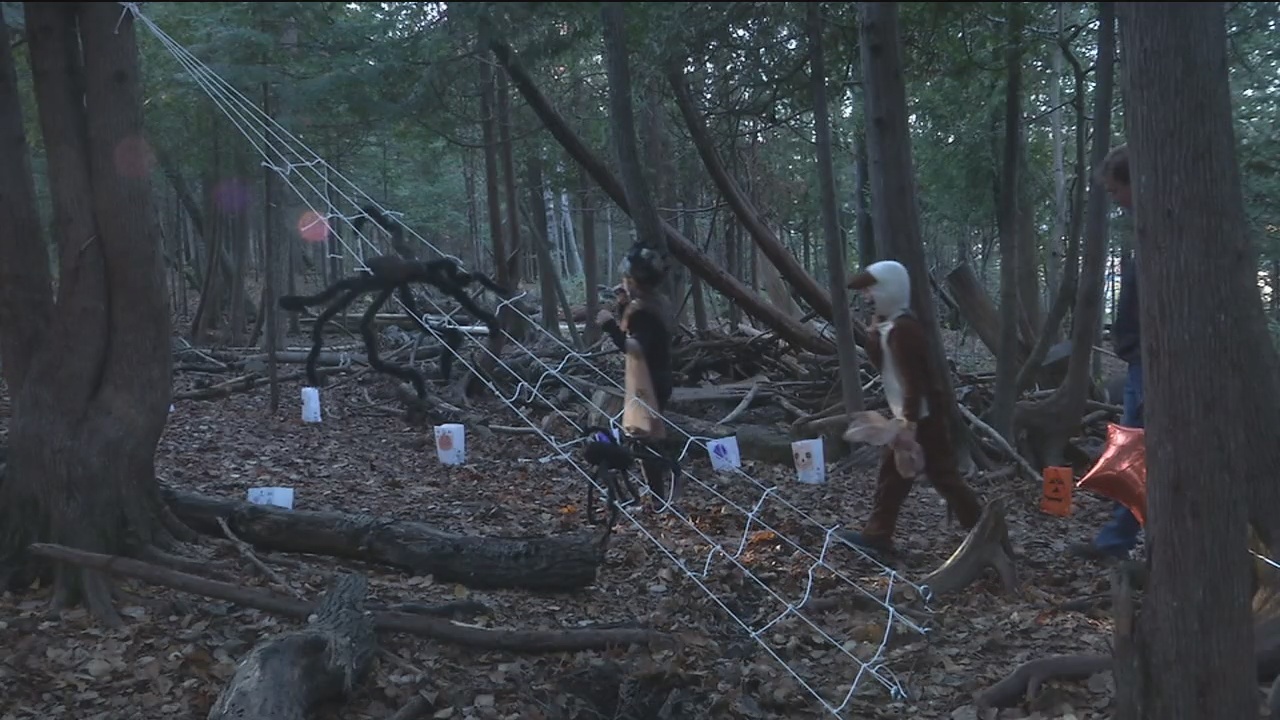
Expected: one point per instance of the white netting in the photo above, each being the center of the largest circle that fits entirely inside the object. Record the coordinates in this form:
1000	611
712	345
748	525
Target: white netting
310	177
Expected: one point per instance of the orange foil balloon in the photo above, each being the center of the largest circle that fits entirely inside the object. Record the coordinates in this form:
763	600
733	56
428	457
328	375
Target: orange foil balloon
1121	471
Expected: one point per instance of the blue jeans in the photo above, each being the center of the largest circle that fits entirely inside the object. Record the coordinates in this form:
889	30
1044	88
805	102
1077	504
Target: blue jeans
1120	533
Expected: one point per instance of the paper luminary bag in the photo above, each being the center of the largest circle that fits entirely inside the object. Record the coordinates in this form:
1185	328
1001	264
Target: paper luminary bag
277	496
875	429
1055	497
811	464
637	419
451	443
724	453
310	405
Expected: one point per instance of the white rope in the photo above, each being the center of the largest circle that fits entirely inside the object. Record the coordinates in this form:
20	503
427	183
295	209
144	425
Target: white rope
236	107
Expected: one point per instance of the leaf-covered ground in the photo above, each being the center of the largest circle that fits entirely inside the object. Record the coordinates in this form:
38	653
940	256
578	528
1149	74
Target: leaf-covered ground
177	650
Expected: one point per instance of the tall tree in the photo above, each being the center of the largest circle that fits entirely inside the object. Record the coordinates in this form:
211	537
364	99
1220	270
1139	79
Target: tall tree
1200	308
1009	351
895	212
622	124
91	385
841	317
1051	421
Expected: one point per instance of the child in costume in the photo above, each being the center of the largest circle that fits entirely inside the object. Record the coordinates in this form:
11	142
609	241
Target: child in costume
897	346
644	335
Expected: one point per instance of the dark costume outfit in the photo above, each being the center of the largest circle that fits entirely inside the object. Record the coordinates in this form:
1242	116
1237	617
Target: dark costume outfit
643	321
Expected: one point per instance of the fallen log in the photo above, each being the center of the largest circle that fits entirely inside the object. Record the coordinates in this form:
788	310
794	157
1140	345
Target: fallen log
1023	684
557	563
978	310
242	383
433	628
759	442
284	677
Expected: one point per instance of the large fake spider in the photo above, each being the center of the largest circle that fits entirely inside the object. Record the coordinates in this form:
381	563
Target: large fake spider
387	274
611	460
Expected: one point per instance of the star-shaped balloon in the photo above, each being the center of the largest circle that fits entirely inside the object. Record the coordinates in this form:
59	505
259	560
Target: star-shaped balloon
1121	471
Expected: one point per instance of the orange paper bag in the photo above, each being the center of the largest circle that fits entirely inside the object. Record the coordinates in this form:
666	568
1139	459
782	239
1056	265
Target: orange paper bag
1055	498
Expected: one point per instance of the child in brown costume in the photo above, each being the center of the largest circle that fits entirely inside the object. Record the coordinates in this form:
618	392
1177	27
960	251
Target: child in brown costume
897	346
645	332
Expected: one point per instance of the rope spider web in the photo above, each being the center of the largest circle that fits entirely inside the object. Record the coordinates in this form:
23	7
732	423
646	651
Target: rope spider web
297	165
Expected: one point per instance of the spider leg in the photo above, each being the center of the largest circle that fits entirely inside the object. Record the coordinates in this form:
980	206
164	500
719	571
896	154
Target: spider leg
591	496
488	318
410	305
448	336
654	467
625	486
296	303
354	289
406	374
451	339
470	277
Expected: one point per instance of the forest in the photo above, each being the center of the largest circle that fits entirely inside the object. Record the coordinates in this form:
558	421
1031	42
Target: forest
567	361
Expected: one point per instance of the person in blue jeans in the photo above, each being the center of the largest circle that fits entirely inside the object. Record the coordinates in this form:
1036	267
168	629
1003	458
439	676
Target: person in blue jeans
1119	536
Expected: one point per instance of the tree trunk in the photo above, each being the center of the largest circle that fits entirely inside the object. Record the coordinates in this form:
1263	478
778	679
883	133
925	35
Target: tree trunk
1065	291
832	238
862	190
26	299
1032	314
1051	422
685	251
272	339
513	259
590	262
90	410
733	263
895	212
542	248
765	239
1058	140
1008	353
289	674
1199	280
622	130
489	133
689	224
664	180
238	224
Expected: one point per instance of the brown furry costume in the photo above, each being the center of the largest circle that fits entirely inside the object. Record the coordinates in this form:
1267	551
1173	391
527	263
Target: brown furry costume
913	392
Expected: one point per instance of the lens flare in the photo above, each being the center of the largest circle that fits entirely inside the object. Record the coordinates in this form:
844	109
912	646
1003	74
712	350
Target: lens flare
313	227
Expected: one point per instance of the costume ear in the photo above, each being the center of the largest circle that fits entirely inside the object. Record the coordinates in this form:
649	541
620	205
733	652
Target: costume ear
861	281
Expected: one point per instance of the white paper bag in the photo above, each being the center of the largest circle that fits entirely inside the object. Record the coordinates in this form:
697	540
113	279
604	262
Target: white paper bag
277	496
724	453
811	467
451	443
310	405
